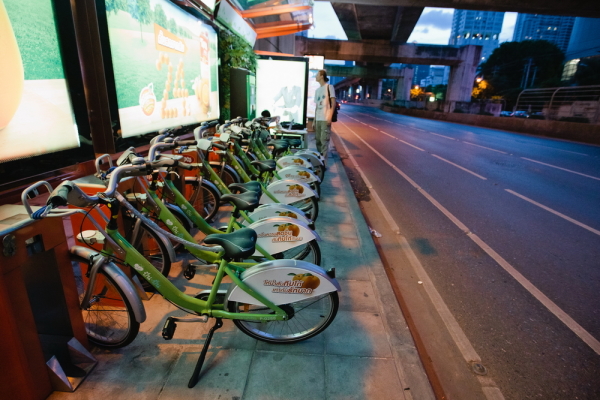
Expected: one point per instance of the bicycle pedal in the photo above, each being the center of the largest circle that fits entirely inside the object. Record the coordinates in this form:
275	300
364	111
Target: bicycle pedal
169	329
189	272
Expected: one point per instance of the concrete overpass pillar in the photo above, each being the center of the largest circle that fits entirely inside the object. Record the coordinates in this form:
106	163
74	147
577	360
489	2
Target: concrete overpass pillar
379	88
404	84
462	76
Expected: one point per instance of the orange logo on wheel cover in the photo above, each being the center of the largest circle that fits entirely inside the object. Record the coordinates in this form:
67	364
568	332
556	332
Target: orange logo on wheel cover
309	281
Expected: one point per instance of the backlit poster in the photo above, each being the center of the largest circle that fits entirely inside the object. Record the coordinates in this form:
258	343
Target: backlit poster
281	88
36	116
165	63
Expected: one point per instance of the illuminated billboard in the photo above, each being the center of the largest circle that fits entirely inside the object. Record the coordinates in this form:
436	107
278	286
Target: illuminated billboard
281	87
36	116
165	66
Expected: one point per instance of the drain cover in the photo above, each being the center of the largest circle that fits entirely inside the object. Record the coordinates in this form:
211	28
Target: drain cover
479	369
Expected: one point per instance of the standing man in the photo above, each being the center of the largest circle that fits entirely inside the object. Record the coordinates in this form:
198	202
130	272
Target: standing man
325	100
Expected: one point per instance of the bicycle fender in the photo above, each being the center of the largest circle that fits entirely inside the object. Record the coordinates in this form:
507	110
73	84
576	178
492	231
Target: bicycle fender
276	235
283	282
278	210
294	160
299	174
311	156
119	277
287	191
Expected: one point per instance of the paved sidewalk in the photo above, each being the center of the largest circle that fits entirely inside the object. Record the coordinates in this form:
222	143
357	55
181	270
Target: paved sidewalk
366	353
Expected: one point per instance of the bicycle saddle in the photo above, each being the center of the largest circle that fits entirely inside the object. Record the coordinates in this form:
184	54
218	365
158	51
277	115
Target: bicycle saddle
265	165
247	201
294	142
237	245
279	146
251	186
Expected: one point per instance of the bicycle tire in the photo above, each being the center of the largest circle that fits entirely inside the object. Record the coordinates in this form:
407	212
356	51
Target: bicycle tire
316	186
229	174
319	170
109	320
310	207
149	244
207	205
311	317
309	252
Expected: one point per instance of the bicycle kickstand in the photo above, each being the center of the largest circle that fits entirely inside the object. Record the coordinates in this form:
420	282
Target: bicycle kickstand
196	374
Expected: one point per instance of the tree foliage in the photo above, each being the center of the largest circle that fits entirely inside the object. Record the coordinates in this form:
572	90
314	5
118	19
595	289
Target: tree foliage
160	18
506	66
234	52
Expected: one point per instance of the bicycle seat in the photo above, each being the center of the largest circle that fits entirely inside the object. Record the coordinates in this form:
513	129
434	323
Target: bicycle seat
265	165
279	146
251	186
237	245
247	201
294	142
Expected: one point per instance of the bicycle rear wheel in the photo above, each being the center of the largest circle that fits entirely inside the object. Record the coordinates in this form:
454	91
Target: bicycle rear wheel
309	206
309	318
310	252
109	320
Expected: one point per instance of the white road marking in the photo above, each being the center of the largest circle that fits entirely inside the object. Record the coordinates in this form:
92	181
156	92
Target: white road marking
581	224
463	168
564	169
489	387
534	291
483	147
437	134
554	148
400	140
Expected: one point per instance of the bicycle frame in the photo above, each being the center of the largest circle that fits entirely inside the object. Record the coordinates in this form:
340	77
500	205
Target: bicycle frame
137	261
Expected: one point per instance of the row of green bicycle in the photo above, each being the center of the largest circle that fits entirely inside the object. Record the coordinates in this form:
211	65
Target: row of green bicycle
275	295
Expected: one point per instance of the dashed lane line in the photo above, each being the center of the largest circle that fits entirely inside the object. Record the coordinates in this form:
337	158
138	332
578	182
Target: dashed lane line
400	140
564	169
483	147
463	168
563	216
437	134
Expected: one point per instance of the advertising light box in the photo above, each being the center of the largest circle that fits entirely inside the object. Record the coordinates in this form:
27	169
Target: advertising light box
165	66
281	87
36	116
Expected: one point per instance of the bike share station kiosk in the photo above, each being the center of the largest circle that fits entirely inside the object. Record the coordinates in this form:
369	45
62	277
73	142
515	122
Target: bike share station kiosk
77	83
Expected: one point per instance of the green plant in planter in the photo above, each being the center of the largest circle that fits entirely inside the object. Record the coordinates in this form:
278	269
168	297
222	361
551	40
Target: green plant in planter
234	52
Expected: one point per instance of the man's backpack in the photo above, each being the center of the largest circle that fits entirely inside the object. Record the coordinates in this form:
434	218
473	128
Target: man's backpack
335	108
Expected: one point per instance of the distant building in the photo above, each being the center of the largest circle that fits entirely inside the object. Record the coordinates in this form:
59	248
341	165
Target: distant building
584	45
478	28
421	72
555	29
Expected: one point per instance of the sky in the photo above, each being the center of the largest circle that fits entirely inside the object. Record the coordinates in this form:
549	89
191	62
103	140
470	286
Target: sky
432	28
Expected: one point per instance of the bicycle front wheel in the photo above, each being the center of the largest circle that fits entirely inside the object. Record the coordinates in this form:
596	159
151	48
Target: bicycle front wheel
109	320
309	318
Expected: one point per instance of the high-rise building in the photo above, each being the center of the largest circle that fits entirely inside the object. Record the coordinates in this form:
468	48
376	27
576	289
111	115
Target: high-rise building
477	27
584	46
555	29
